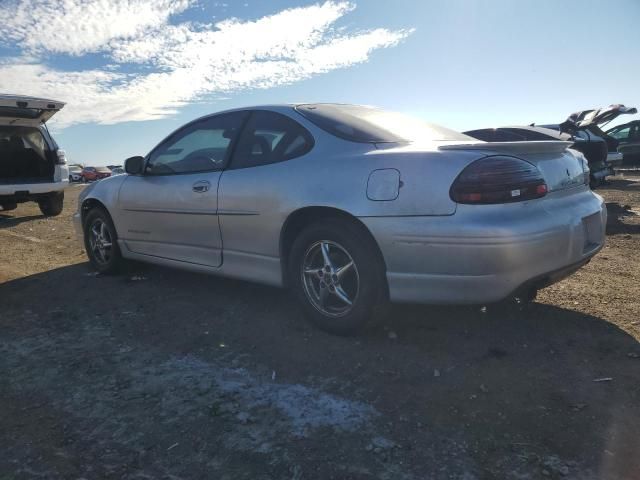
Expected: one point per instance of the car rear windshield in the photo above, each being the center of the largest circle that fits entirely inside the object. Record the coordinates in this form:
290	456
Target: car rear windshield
364	124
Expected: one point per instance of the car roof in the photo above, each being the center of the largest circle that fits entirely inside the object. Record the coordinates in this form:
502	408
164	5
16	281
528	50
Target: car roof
283	106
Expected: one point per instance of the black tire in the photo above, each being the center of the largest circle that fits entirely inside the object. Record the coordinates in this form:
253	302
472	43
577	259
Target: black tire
351	242
112	262
52	204
8	206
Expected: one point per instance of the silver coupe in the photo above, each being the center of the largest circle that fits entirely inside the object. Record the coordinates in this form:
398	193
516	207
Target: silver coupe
351	207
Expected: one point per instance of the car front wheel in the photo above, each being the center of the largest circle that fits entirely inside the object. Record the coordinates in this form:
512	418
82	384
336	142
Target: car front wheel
338	275
101	242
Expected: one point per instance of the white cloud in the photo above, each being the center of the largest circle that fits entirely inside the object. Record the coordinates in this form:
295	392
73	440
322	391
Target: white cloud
76	27
182	62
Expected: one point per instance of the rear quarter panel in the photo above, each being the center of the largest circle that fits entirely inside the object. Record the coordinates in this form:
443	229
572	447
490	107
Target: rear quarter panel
254	203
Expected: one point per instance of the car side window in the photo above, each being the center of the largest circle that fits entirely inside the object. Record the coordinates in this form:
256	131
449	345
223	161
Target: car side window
621	134
202	146
270	137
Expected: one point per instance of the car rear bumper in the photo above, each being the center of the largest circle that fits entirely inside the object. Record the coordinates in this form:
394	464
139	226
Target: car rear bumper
485	253
27	189
614	159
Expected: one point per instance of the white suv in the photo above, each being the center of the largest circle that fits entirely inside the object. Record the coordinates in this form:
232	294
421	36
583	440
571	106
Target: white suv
32	167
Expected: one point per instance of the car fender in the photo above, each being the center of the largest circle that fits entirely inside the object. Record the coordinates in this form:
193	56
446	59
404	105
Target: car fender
105	191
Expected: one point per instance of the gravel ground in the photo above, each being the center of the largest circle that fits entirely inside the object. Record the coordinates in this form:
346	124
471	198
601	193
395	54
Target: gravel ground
162	374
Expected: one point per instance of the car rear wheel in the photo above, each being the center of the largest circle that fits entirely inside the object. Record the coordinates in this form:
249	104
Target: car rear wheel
52	204
338	276
5	207
101	242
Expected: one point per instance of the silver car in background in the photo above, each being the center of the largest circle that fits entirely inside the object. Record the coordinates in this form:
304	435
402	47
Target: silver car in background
351	207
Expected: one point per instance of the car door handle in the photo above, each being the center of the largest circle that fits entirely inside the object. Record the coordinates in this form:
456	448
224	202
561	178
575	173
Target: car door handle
201	186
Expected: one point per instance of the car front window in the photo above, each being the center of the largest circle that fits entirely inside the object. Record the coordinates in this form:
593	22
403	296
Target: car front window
200	147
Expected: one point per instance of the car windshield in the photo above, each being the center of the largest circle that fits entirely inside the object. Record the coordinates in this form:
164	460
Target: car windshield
365	124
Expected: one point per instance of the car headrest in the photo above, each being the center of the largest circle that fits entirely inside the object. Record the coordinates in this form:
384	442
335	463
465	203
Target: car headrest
259	146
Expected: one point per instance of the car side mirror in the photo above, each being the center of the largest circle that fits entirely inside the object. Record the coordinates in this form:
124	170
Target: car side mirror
134	165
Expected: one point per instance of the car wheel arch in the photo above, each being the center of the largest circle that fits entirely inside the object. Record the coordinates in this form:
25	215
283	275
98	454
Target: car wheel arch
299	219
90	204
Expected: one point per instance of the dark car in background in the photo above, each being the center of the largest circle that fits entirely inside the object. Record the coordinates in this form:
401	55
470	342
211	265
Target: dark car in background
628	137
594	149
582	128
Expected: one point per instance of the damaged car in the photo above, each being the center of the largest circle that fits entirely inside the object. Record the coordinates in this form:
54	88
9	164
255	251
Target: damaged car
582	128
628	137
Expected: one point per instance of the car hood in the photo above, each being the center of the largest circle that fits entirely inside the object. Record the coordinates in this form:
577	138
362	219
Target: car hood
600	116
20	110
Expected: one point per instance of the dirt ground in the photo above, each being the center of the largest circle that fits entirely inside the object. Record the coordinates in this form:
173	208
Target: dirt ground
162	374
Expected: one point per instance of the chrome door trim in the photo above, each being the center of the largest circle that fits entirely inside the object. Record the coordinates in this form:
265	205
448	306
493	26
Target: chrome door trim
184	212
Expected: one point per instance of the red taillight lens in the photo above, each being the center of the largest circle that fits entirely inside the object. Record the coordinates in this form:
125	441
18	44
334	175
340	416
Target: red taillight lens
498	180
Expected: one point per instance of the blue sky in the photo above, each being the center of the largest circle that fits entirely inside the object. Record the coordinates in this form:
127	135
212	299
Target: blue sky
133	71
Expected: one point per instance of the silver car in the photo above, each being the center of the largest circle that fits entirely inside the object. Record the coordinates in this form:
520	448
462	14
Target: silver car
351	207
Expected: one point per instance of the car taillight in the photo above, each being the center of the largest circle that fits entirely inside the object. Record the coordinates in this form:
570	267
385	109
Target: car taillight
498	179
61	157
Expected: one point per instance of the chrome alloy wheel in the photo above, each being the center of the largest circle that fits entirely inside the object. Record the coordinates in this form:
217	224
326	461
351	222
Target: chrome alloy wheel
330	278
100	241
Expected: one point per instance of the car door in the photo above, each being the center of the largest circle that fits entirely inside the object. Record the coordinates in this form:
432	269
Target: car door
170	211
624	134
254	192
632	146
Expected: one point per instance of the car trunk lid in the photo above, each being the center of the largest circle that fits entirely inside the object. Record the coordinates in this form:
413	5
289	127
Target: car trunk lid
562	168
19	110
601	115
